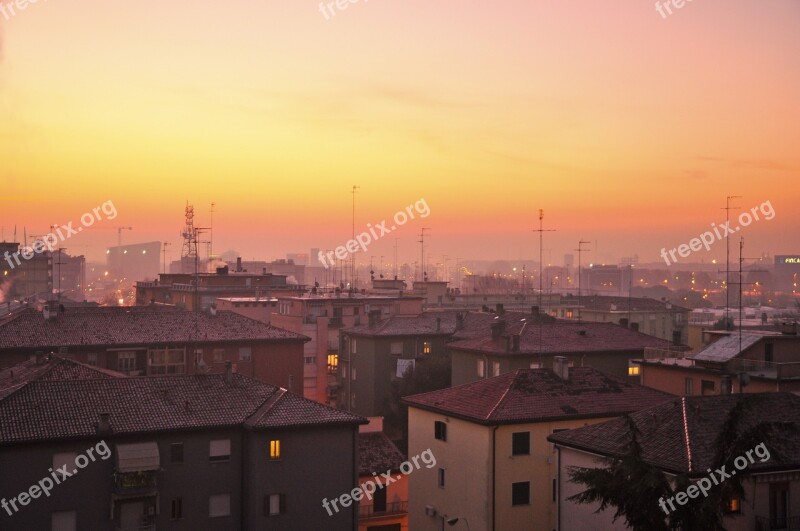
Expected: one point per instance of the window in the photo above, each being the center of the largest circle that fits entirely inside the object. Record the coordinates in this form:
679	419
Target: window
176	453
555	490
440	430
426	347
275	504
379	501
687	387
91	358
441	477
536	365
353	346
218	355
768	350
310	360
275	449
521	443
66	458
219	505
396	348
219	450
353	374
176	509
569	314
245	353
633	369
353	400
126	361
333	363
733	506
707	387
166	361
495	368
521	493
64	521
481	368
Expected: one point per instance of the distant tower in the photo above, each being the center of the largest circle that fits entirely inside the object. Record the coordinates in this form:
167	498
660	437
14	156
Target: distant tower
189	235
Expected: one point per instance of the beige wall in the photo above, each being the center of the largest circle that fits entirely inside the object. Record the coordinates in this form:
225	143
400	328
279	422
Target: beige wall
467	459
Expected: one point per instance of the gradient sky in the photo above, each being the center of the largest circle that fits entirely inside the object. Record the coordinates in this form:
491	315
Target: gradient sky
627	128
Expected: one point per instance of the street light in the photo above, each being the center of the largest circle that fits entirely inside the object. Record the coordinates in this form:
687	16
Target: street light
454	521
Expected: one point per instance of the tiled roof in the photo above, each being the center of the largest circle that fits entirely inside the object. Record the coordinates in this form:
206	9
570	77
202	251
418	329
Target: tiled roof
726	348
562	337
377	453
61	409
537	395
663	433
49	368
134	325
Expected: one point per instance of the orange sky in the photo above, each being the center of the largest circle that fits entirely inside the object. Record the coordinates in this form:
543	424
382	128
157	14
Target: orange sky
627	128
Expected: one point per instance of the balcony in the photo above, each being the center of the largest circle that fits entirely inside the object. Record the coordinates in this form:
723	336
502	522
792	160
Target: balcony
767	369
134	484
778	524
392	509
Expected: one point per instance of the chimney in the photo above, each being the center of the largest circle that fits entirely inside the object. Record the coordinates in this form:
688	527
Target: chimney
238	264
789	329
498	328
438	324
459	321
228	372
515	343
725	384
561	367
500	309
103	426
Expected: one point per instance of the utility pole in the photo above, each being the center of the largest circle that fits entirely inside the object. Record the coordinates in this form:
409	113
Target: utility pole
541	232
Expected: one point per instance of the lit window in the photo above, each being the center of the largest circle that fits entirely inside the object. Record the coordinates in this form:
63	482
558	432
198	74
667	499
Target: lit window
426	347
481	368
496	368
333	363
275	449
734	505
536	365
633	370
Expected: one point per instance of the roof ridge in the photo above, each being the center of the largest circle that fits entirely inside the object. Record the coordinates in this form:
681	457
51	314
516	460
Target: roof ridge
686	438
505	394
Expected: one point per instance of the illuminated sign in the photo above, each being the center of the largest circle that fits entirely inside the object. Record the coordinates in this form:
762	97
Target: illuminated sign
788	260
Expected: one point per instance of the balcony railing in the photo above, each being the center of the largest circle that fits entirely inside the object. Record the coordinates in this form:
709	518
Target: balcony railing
651	353
768	369
778	524
394	508
135	483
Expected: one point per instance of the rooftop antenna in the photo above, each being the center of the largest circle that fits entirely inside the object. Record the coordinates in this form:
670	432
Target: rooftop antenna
164	252
211	233
353	255
395	257
423	273
541	230
580	250
728	209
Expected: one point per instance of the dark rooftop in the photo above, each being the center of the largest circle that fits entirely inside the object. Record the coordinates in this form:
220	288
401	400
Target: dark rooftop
675	430
65	409
621	304
561	337
134	325
49	368
538	395
377	453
